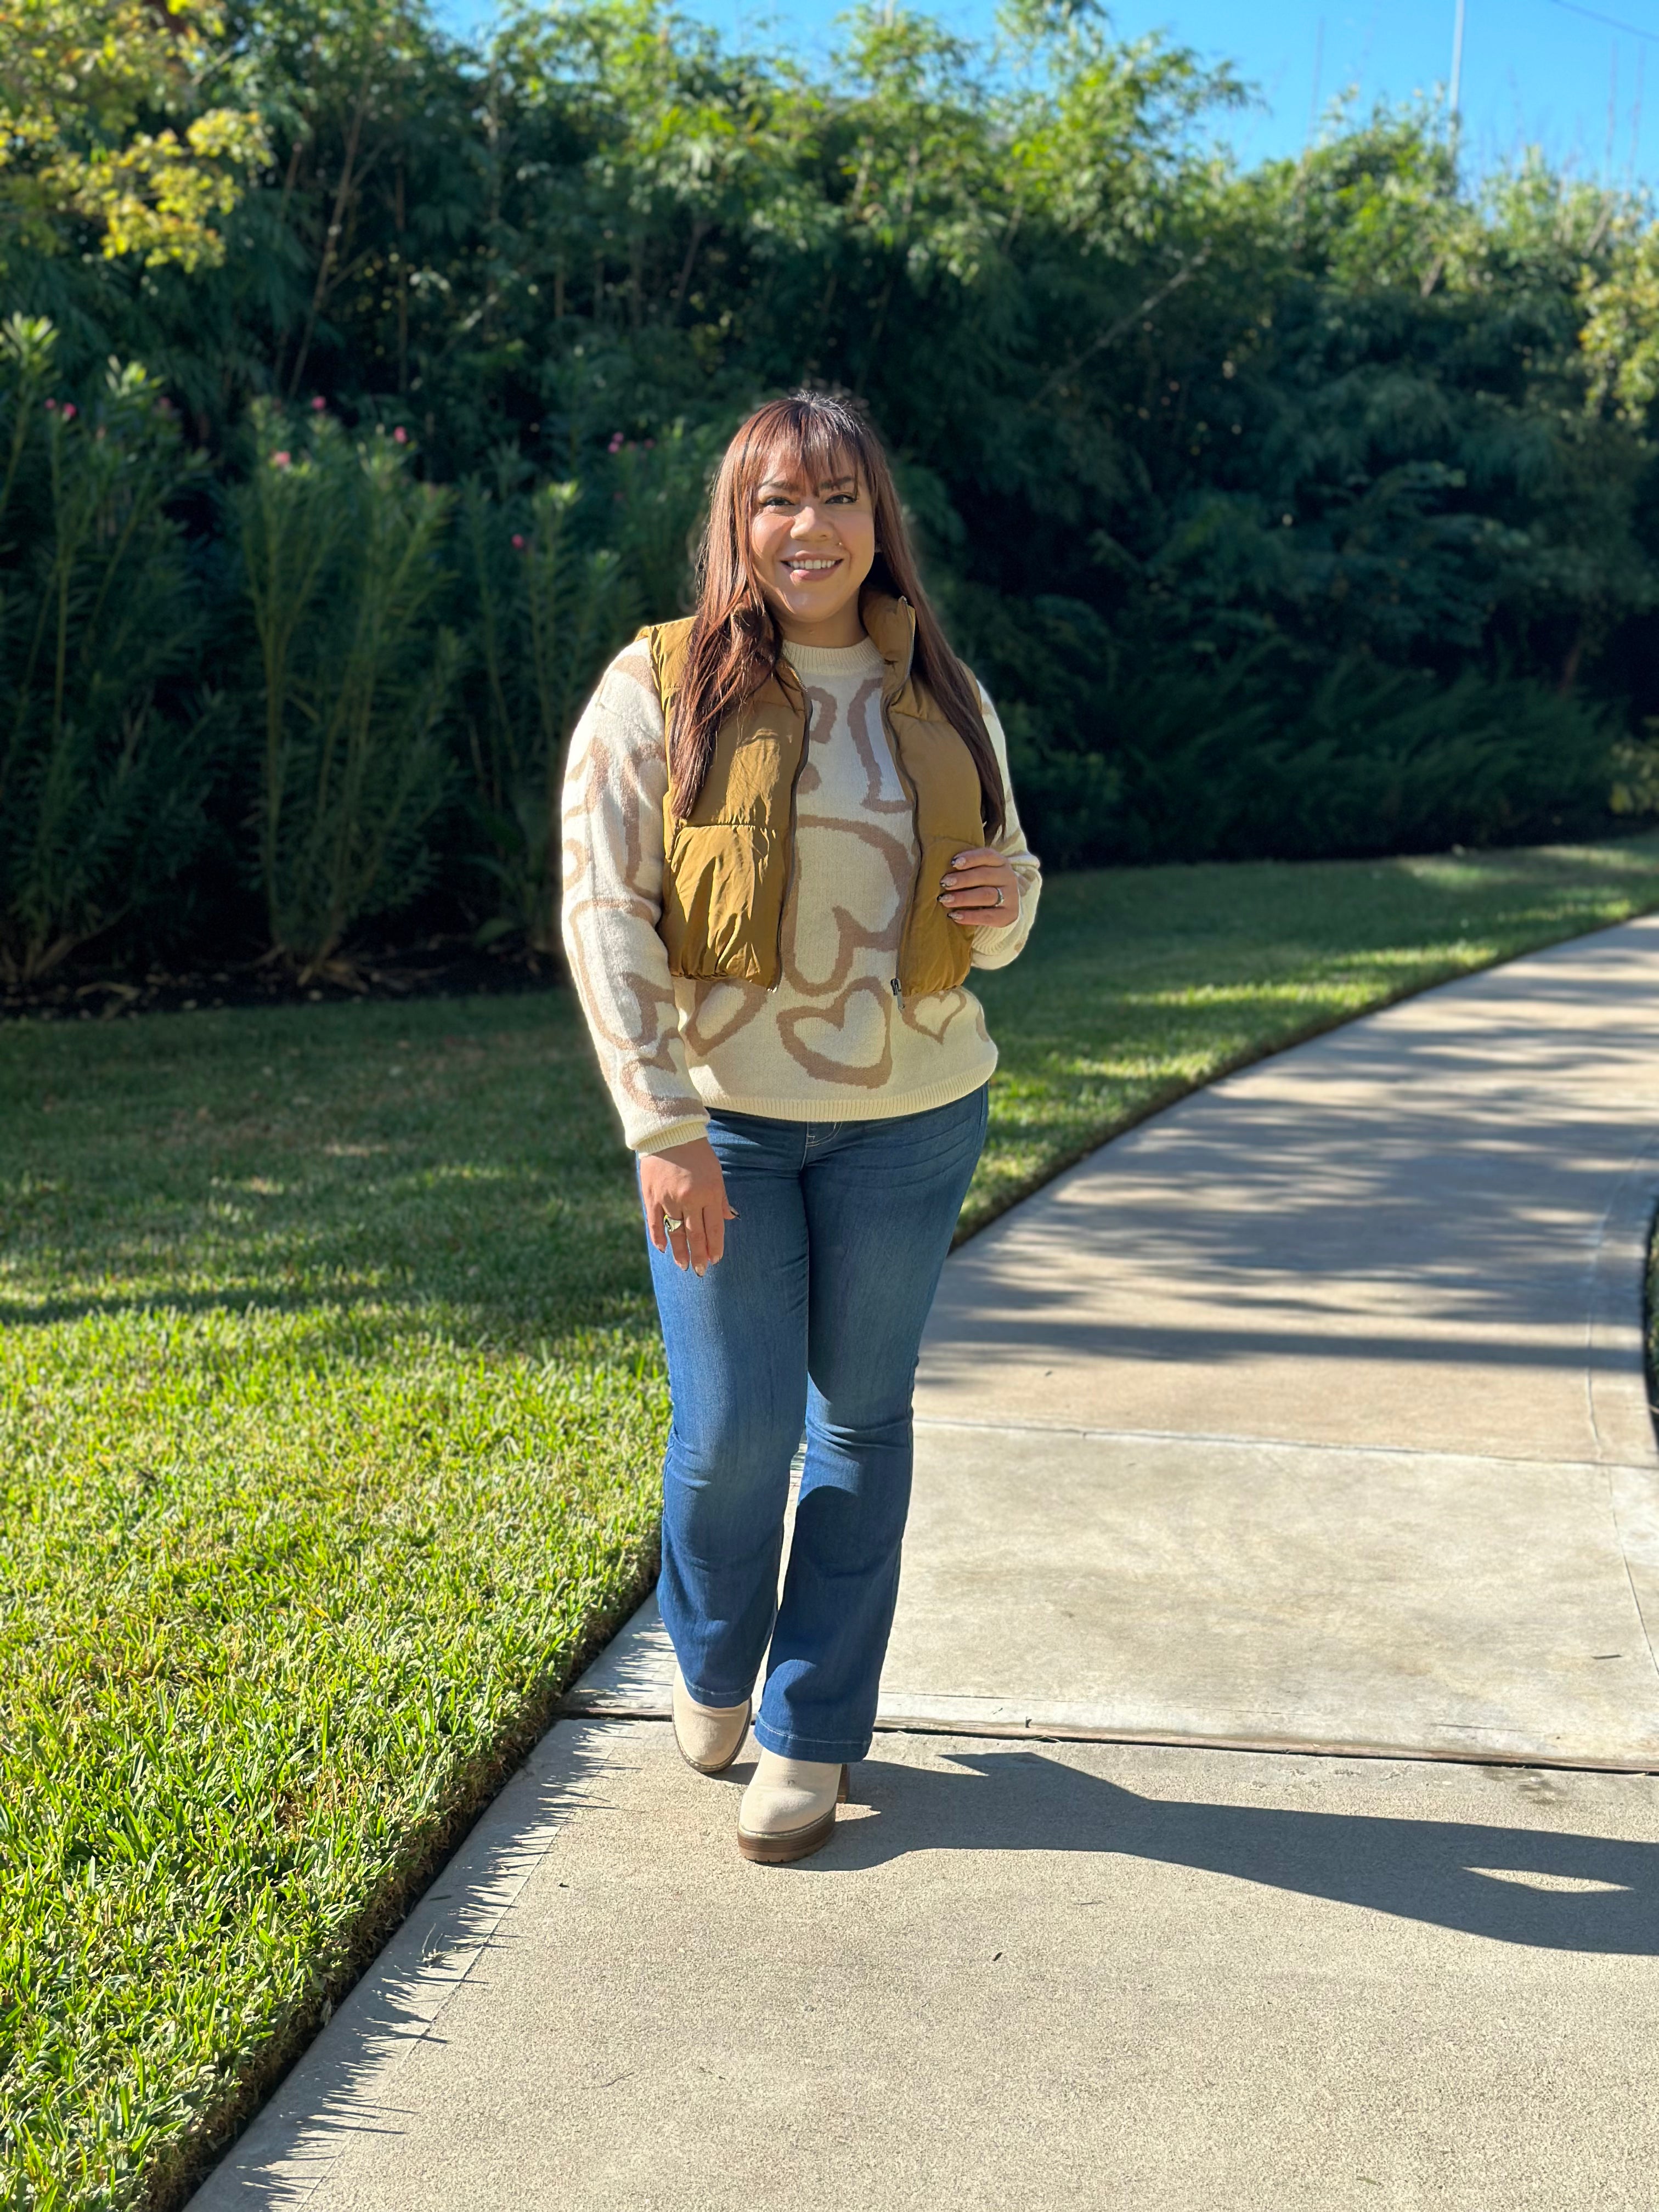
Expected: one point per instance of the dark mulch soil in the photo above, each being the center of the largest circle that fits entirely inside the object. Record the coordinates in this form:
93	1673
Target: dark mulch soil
438	966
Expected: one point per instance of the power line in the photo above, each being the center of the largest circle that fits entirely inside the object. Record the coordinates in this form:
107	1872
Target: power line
1612	118
1594	16
1636	118
1319	71
1456	101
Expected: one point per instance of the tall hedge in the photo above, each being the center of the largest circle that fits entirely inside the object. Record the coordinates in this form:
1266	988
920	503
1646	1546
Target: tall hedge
1309	509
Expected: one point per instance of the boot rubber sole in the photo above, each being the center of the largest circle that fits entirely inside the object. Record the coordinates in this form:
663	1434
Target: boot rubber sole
794	1842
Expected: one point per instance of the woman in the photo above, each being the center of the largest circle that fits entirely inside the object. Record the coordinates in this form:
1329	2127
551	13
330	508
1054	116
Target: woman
788	834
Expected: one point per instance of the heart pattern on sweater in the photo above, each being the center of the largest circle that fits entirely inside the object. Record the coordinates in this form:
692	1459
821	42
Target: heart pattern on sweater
859	1023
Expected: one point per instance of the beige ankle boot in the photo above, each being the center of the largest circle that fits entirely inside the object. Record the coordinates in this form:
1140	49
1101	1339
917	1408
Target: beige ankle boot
709	1736
789	1809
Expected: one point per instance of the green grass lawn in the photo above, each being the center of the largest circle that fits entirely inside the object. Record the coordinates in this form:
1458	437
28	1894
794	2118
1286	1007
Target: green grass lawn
331	1406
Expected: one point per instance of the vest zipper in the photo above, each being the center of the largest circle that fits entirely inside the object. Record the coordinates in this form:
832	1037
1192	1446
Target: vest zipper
789	873
916	831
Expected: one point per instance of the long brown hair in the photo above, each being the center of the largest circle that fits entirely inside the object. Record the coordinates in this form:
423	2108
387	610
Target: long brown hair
734	643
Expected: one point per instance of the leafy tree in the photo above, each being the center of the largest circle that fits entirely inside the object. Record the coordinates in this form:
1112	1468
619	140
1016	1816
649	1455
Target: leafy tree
108	124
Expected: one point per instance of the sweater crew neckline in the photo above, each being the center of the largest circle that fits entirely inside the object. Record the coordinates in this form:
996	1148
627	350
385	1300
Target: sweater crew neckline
827	662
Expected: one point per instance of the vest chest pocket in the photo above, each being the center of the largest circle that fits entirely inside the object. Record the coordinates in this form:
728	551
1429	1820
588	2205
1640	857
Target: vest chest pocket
722	902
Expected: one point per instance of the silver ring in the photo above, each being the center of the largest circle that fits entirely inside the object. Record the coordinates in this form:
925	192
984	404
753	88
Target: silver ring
998	894
671	1224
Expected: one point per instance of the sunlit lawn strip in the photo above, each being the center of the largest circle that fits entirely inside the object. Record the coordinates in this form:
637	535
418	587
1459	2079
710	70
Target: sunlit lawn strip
331	1405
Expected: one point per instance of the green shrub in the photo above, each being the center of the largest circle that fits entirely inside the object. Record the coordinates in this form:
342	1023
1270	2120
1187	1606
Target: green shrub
659	497
549	608
548	615
1069	799
104	751
1132	752
1636	772
342	566
1227	764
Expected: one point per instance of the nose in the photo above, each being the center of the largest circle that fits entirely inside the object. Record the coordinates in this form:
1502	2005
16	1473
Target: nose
809	523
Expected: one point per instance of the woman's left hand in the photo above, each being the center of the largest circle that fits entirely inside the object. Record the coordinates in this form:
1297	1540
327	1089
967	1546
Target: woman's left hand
972	885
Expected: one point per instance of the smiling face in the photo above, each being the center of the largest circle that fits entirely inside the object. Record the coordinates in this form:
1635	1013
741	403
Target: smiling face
811	547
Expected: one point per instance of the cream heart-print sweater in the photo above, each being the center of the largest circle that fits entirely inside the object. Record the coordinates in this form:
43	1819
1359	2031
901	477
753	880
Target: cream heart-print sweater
832	1042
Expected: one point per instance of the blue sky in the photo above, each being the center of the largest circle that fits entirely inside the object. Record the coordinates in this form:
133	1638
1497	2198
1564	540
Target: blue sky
1582	81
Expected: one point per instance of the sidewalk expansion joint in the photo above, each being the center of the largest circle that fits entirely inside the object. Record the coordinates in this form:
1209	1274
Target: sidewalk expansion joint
1285	1747
1623	1465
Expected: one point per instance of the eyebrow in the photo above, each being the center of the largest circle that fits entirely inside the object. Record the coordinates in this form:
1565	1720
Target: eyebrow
793	483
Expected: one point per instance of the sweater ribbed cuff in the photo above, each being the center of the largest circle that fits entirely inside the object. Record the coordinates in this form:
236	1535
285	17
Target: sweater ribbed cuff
677	1133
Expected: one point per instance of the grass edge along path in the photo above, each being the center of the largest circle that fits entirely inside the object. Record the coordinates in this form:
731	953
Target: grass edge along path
331	1406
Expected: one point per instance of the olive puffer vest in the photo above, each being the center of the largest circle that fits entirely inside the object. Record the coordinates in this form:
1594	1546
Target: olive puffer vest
727	864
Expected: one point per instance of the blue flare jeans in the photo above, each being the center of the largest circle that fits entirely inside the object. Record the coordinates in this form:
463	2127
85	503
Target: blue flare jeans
813	1317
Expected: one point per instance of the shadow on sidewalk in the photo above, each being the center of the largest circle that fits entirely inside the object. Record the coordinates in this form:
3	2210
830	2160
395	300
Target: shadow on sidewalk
1531	1885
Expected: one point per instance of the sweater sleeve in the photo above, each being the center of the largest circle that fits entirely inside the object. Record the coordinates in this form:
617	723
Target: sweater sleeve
615	780
995	948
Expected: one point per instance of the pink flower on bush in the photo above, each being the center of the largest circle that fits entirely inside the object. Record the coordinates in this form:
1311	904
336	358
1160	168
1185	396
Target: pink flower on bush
281	460
69	410
518	542
51	406
319	404
616	444
400	436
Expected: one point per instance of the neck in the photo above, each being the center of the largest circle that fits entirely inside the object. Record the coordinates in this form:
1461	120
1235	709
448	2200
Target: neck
842	628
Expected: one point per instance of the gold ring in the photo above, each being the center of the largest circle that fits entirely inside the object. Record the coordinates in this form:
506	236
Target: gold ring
671	1224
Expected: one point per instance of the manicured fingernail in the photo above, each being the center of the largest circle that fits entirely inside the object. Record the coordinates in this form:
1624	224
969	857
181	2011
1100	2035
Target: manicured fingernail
698	1272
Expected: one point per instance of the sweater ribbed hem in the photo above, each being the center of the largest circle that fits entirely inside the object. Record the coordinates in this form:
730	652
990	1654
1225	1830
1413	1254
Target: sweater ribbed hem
865	1106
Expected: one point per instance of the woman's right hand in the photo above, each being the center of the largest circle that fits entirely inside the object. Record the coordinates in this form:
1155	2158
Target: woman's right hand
685	1182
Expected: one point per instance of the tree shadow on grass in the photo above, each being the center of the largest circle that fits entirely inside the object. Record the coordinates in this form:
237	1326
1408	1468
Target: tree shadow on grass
488	1250
259	1164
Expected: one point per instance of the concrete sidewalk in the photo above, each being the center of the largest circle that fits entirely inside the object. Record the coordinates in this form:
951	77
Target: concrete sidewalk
1307	1419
